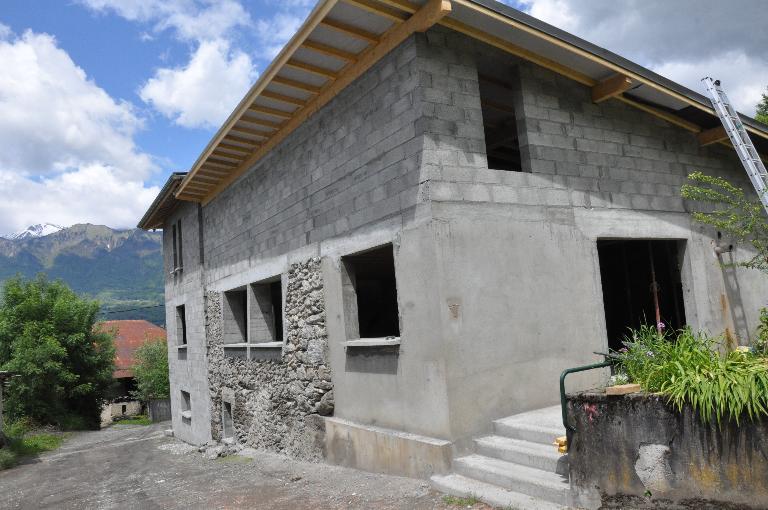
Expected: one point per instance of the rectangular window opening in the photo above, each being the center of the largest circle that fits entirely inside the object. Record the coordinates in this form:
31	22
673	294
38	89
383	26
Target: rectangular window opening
227	424
235	316
266	320
628	270
370	294
186	406
502	145
181	325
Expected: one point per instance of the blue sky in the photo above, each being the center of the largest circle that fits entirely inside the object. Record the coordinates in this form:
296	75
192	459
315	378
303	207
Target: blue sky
105	98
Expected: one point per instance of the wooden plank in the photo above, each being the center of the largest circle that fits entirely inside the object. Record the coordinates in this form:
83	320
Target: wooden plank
208	170
350	30
330	51
274	96
268	111
239	139
669	117
234	148
298	85
427	16
259	122
622	389
311	68
215	161
710	136
379	10
611	87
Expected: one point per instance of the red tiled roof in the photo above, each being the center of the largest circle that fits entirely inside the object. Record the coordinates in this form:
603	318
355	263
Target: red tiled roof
129	336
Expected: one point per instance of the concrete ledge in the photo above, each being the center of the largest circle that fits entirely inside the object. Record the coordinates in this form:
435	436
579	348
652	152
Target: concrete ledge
383	450
267	345
372	342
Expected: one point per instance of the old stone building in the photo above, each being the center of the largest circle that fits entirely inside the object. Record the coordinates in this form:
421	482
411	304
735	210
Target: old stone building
417	218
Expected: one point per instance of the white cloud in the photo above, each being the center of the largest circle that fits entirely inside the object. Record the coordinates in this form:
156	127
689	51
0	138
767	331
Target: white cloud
191	20
66	147
206	90
274	32
684	40
92	194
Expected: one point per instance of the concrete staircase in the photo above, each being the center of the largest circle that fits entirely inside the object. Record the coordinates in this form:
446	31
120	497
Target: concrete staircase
515	467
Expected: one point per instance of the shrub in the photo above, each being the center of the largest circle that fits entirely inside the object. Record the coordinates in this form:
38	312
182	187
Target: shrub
151	371
689	369
8	458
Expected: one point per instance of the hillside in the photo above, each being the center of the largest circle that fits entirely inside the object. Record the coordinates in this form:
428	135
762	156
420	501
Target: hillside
120	268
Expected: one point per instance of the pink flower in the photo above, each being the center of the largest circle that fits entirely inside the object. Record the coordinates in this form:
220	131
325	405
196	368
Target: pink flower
661	325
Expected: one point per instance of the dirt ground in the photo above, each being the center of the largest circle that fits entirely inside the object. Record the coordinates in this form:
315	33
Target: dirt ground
136	467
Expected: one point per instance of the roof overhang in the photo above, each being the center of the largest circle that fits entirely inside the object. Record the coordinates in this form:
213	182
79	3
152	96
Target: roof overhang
163	203
341	39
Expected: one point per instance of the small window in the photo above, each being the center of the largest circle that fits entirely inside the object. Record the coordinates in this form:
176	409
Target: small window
502	146
266	322
178	256
370	294
235	316
186	406
228	425
181	325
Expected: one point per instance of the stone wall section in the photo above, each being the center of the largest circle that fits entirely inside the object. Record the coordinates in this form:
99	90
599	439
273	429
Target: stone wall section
276	405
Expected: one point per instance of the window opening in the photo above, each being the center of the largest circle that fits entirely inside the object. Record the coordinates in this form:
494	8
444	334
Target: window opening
502	145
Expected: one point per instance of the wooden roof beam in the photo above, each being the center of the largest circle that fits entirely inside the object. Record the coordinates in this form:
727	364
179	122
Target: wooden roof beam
330	51
281	114
234	148
311	68
429	14
379	10
245	141
298	85
710	136
282	98
349	30
611	87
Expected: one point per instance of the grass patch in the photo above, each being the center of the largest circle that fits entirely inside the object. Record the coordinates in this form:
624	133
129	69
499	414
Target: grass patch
136	420
458	501
28	445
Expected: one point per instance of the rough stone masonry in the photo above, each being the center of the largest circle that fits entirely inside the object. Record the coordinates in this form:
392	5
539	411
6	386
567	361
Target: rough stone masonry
276	403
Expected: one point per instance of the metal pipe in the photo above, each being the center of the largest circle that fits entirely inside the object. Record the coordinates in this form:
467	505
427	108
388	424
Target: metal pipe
562	387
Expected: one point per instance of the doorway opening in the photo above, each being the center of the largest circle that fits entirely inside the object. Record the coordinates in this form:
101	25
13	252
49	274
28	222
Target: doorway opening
641	281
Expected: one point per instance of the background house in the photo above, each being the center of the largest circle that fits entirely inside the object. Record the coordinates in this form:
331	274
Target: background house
129	336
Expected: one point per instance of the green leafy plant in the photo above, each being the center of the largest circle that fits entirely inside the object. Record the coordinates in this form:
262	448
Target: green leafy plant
760	346
47	337
151	371
689	369
135	420
727	208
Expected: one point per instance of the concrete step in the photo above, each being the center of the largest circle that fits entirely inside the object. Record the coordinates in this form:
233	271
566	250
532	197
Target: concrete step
526	453
526	480
515	428
461	486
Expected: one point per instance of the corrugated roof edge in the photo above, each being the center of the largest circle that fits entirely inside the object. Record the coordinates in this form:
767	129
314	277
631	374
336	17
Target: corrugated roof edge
566	37
166	192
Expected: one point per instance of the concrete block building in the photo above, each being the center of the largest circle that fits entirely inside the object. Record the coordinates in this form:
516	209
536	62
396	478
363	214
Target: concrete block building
421	214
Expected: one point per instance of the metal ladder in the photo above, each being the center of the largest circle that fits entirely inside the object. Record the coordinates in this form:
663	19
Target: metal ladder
740	139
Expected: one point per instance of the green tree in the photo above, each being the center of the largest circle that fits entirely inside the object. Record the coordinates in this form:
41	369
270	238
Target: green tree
151	371
730	211
762	109
47	336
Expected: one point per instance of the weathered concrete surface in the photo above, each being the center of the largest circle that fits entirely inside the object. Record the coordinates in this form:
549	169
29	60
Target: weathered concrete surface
385	451
637	444
136	467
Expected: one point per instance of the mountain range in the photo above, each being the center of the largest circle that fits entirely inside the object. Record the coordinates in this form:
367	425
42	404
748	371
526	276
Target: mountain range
122	268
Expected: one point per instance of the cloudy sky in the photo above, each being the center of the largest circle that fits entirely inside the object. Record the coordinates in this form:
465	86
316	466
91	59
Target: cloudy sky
101	99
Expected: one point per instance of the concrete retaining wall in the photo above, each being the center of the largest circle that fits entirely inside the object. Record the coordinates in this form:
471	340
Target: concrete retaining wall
639	446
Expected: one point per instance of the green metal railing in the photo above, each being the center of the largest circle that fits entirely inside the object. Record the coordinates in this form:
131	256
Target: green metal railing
584	368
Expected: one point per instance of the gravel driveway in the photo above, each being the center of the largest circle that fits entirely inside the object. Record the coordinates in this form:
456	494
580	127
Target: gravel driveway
136	467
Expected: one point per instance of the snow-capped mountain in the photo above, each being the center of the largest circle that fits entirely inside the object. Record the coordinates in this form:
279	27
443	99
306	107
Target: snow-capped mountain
39	230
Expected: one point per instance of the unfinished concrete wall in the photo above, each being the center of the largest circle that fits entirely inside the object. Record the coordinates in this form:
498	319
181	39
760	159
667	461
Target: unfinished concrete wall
520	297
187	364
637	445
276	404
